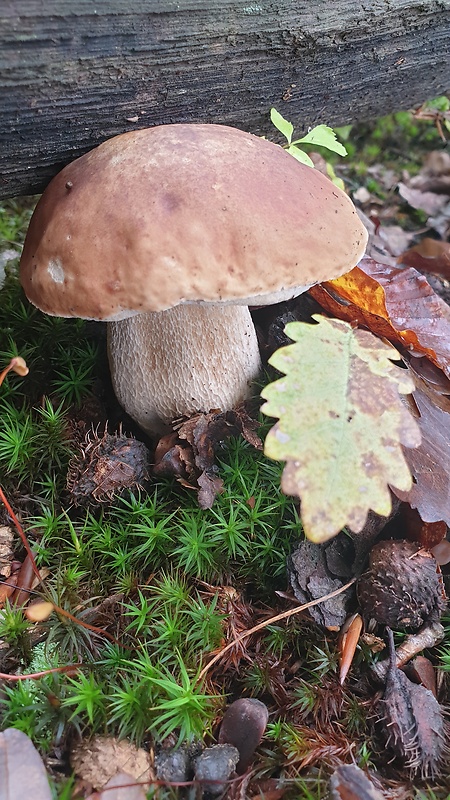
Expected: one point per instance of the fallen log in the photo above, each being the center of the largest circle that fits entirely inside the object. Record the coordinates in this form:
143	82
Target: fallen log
74	74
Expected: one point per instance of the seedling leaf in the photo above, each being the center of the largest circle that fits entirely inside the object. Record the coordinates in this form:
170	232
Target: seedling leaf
300	155
323	136
281	124
341	424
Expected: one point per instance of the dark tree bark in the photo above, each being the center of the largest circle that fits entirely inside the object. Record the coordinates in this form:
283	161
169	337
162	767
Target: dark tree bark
75	73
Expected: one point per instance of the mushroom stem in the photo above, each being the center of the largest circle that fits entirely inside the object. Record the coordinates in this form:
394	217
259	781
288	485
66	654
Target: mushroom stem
187	359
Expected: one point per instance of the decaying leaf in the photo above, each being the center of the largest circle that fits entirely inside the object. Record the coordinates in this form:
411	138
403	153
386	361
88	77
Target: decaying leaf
397	303
430	461
430	255
349	782
189	454
426	200
341	423
427	534
421	670
22	772
311	577
413	722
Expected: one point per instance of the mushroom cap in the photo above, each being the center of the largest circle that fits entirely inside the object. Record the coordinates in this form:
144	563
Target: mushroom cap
180	214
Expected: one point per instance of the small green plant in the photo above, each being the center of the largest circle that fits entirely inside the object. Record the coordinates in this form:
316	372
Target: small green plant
73	382
34	443
87	697
320	136
305	697
181	707
14	628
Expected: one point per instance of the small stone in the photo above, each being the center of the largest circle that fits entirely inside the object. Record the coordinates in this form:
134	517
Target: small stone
174	765
216	764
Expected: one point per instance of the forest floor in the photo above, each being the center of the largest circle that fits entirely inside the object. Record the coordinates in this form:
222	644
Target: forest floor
126	593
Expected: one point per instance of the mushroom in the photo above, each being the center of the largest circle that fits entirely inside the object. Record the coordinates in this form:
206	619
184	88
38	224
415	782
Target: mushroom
169	234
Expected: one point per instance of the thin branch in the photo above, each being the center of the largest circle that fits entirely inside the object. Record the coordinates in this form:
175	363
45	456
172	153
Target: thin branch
31	675
21	533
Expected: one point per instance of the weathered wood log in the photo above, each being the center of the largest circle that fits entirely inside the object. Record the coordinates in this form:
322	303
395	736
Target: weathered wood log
75	73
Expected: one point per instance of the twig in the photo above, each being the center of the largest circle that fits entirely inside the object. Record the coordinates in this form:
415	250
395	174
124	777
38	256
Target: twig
21	533
31	675
277	618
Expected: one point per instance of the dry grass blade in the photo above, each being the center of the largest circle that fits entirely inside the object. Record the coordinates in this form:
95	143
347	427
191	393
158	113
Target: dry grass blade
271	621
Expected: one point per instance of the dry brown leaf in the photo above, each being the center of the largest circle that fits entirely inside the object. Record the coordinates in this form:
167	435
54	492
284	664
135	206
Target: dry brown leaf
427	201
430	255
349	782
395	239
397	303
22	772
430	461
421	670
427	534
189	454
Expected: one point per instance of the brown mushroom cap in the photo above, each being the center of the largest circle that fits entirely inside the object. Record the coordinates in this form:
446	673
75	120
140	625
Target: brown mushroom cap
184	213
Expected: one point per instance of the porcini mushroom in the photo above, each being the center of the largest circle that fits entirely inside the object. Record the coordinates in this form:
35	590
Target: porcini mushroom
169	234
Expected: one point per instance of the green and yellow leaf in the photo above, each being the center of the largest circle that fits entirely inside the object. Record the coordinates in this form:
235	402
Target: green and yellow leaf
341	424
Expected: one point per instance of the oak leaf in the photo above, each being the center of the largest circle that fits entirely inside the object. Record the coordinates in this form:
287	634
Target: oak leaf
341	424
430	255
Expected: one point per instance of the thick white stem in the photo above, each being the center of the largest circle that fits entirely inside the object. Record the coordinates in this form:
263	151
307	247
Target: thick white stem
187	359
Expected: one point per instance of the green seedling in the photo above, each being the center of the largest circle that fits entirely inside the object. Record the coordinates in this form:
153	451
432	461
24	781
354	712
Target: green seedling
320	136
